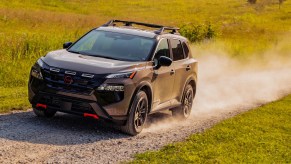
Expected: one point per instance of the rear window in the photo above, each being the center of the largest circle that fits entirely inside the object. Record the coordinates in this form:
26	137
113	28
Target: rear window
177	50
114	46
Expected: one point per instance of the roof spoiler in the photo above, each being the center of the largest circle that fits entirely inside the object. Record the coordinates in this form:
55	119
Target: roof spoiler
174	30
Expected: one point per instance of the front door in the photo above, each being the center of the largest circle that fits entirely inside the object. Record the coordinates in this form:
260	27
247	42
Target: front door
163	78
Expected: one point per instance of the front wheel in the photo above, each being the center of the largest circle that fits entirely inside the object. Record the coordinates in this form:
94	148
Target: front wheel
184	111
137	115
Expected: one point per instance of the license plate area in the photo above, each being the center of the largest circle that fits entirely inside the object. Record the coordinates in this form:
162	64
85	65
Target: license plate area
66	105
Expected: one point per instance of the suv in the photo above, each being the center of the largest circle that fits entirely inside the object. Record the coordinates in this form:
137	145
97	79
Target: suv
120	72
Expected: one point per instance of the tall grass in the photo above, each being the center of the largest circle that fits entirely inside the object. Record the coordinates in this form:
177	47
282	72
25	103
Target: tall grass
31	28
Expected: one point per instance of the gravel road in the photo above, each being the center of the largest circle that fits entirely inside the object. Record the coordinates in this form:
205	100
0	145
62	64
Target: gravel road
25	138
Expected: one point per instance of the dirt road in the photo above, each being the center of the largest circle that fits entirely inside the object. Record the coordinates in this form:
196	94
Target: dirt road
222	93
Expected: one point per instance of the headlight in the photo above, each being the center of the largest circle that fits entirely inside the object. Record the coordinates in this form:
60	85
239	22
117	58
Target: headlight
36	69
111	87
40	63
121	75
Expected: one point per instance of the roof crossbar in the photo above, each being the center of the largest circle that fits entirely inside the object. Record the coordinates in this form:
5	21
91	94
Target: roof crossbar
130	23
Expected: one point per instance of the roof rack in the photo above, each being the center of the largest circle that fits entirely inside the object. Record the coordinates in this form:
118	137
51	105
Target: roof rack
162	29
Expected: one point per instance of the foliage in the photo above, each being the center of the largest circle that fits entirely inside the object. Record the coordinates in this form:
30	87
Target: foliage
13	99
196	33
281	1
252	1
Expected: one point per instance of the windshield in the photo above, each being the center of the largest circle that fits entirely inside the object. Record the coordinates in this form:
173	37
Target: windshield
113	45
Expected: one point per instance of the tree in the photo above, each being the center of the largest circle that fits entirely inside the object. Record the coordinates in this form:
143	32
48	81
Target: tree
252	1
280	3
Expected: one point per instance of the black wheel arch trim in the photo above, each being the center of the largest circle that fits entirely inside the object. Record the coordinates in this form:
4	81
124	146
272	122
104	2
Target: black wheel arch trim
138	88
189	79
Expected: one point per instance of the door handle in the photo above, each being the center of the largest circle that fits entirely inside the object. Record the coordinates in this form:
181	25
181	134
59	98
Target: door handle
172	72
188	68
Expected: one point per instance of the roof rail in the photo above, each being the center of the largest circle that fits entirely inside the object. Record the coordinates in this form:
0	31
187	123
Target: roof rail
130	23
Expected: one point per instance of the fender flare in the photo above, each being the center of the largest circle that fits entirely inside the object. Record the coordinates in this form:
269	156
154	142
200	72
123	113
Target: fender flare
138	88
190	78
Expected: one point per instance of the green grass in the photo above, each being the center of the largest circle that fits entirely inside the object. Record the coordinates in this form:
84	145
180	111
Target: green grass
31	28
261	135
13	99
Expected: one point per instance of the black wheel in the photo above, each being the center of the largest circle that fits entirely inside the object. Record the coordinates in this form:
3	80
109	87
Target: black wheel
138	114
184	111
44	113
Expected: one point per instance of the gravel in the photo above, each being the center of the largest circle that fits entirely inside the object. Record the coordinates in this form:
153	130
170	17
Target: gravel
25	138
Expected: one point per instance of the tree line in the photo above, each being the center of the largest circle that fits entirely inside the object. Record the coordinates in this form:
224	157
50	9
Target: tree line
255	1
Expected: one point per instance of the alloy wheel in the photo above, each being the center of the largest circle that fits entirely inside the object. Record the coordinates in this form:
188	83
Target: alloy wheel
140	113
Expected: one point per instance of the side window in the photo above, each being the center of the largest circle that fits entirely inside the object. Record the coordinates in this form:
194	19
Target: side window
177	49
186	49
162	49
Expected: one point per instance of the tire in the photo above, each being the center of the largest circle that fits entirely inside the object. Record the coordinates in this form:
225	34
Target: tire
184	111
137	115
44	113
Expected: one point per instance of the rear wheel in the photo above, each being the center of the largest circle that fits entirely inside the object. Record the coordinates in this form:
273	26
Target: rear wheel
138	114
44	113
184	111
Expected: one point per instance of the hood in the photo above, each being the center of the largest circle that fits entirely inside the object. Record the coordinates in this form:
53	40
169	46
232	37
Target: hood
89	64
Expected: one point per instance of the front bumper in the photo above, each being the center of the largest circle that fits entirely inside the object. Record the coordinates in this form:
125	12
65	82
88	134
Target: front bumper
108	105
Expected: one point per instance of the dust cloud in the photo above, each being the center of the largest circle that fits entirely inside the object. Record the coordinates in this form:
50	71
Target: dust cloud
227	84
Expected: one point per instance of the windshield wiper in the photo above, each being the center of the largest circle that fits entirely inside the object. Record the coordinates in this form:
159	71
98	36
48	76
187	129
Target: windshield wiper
107	57
96	55
76	52
81	52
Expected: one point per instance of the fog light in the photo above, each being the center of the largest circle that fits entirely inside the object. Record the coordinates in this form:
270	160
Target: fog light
116	88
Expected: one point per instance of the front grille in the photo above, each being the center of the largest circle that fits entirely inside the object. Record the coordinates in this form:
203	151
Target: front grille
79	85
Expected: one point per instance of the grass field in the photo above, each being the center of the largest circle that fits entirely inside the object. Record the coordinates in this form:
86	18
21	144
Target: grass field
31	28
13	99
261	135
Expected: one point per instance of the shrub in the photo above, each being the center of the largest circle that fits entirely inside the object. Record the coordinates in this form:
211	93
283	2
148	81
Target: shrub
281	1
196	33
252	1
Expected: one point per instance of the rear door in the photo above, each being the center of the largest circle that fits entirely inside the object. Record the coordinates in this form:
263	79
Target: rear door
163	78
182	66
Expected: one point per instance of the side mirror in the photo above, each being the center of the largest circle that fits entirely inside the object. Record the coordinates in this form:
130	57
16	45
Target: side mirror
164	61
67	45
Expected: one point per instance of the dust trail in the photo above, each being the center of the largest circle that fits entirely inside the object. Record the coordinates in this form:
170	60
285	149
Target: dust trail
225	84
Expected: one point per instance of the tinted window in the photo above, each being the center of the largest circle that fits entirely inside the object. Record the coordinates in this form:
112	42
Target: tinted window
162	49
177	49
186	49
114	45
